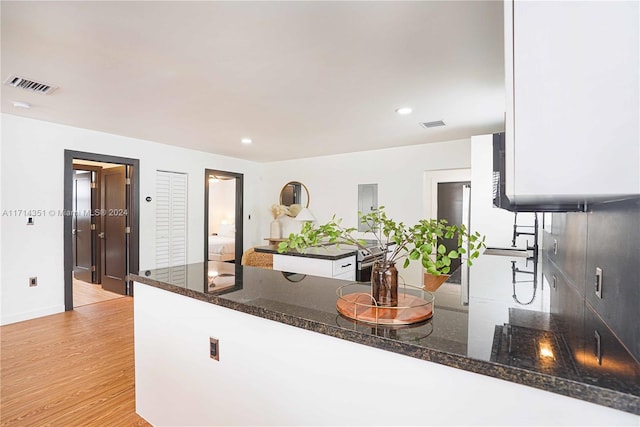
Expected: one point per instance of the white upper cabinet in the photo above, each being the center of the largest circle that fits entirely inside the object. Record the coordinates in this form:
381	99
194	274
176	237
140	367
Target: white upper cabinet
573	119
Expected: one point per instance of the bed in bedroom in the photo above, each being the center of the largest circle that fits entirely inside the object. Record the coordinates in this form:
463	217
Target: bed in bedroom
222	245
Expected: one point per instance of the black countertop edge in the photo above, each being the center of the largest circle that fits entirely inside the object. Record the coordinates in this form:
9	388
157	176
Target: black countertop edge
590	393
272	249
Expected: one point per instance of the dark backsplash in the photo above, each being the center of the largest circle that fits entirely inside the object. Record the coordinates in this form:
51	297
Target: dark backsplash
601	332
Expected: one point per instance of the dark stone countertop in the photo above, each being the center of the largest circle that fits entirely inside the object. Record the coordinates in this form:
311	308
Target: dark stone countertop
328	252
497	334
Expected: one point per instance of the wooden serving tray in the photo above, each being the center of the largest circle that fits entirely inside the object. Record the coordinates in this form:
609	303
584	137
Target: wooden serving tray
410	309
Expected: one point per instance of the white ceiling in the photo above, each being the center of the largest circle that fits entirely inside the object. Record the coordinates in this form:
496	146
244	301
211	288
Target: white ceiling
301	79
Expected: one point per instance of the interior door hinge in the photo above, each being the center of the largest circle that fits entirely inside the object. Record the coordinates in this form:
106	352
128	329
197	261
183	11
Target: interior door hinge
93	185
93	268
93	226
127	230
127	181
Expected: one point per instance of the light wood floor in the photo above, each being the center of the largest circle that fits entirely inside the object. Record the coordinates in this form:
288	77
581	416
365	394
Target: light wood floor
89	293
70	369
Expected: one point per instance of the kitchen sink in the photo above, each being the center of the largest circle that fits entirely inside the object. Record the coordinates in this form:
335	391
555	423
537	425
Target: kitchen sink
524	253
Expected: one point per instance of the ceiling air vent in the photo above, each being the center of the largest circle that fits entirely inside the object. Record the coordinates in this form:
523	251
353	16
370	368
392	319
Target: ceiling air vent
30	85
435	124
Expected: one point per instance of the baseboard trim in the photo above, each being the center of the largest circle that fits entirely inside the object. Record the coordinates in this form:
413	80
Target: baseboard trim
33	314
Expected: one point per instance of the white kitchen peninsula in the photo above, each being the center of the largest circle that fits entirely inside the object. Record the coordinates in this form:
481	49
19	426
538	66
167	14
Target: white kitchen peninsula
286	357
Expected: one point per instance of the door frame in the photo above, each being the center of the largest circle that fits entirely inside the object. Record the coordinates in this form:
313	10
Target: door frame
453	297
95	204
433	178
134	220
464	187
239	215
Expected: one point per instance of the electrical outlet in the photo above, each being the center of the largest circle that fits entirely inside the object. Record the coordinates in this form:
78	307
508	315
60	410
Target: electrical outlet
33	281
214	348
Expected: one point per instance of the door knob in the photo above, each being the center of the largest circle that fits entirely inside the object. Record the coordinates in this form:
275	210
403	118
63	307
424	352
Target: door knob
101	235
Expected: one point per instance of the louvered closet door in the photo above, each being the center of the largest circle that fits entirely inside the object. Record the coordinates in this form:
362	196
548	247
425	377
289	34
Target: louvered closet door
171	224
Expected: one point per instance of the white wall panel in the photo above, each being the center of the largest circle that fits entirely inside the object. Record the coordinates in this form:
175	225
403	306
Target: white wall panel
31	145
333	183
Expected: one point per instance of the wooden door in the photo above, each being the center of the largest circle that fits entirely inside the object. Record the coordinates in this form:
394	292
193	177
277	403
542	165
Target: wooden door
450	207
113	236
81	228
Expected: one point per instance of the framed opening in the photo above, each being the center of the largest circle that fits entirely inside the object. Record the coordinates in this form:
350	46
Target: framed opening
129	217
223	215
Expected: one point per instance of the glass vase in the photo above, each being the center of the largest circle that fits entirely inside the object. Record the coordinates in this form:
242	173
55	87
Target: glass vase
384	283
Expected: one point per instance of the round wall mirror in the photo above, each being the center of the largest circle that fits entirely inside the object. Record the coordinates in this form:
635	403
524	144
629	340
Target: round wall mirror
294	193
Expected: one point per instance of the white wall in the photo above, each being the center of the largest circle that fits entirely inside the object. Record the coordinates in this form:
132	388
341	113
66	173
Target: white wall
291	376
333	183
32	178
495	223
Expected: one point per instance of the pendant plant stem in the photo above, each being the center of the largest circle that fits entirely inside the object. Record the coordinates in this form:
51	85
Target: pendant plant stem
375	229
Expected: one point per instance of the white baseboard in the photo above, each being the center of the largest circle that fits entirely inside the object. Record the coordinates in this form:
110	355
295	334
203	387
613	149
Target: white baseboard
28	315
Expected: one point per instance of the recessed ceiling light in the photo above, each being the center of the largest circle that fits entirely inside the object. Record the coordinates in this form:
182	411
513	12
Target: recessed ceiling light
246	140
404	110
20	104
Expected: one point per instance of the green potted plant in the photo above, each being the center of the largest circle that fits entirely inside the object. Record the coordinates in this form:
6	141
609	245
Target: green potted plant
421	241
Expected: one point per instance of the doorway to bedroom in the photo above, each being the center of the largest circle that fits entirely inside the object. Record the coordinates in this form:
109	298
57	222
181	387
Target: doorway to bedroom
100	226
223	216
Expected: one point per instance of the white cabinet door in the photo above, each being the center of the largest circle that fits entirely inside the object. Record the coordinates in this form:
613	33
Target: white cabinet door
343	266
171	219
573	105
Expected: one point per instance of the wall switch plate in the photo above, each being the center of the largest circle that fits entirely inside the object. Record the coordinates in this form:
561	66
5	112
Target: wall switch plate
555	246
214	348
598	282
33	281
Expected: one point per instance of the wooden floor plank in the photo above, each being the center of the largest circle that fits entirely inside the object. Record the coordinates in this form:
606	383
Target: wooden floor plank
89	293
70	369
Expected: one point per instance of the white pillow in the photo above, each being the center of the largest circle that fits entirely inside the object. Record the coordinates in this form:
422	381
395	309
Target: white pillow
227	230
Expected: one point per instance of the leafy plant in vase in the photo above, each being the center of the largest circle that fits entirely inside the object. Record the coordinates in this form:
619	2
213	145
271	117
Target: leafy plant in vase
421	241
